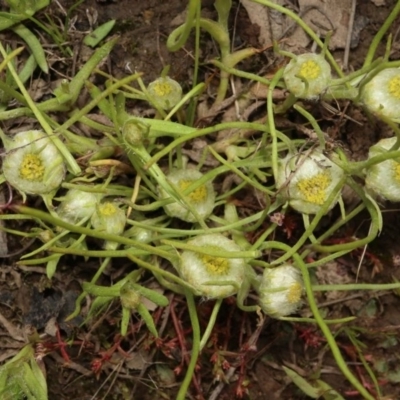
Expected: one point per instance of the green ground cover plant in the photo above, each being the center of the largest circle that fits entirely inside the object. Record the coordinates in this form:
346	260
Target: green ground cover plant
172	221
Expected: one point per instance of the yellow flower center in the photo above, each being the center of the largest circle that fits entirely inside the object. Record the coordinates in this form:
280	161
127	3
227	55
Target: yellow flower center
107	209
216	266
310	70
314	189
396	171
394	87
31	168
196	196
162	89
294	293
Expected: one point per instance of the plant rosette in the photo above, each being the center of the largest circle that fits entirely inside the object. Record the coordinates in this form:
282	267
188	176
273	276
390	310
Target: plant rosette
383	179
210	276
307	76
33	164
280	291
202	199
306	181
381	95
165	92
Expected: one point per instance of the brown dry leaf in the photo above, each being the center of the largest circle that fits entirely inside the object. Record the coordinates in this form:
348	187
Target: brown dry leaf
334	273
138	360
323	17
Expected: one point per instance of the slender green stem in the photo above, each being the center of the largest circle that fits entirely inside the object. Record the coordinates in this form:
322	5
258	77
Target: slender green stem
356	286
271	122
211	323
177	40
313	122
313	321
195	345
382	30
212	252
203	132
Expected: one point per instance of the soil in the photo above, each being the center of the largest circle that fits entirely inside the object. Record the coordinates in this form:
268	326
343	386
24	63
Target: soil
251	357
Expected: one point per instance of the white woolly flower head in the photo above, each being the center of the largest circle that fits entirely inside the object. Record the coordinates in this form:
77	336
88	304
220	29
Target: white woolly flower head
383	179
199	269
78	206
109	218
307	180
381	95
202	198
33	164
165	92
307	76
281	290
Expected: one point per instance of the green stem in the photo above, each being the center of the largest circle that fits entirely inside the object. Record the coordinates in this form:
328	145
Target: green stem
195	346
211	323
314	124
378	37
357	286
202	132
177	40
271	122
212	252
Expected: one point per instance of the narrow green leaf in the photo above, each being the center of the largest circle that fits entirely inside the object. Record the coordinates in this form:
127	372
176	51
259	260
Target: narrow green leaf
148	320
34	45
94	38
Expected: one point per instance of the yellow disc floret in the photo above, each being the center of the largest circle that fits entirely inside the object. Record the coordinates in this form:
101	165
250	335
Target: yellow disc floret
198	195
162	88
310	70
294	293
31	168
216	266
314	189
394	87
397	172
107	209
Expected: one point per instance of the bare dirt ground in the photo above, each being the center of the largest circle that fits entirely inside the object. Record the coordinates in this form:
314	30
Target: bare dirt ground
250	358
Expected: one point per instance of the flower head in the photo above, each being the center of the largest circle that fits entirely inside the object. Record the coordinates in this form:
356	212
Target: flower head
78	206
134	132
309	182
109	218
307	76
280	291
383	179
198	269
202	198
130	297
381	95
165	92
33	164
